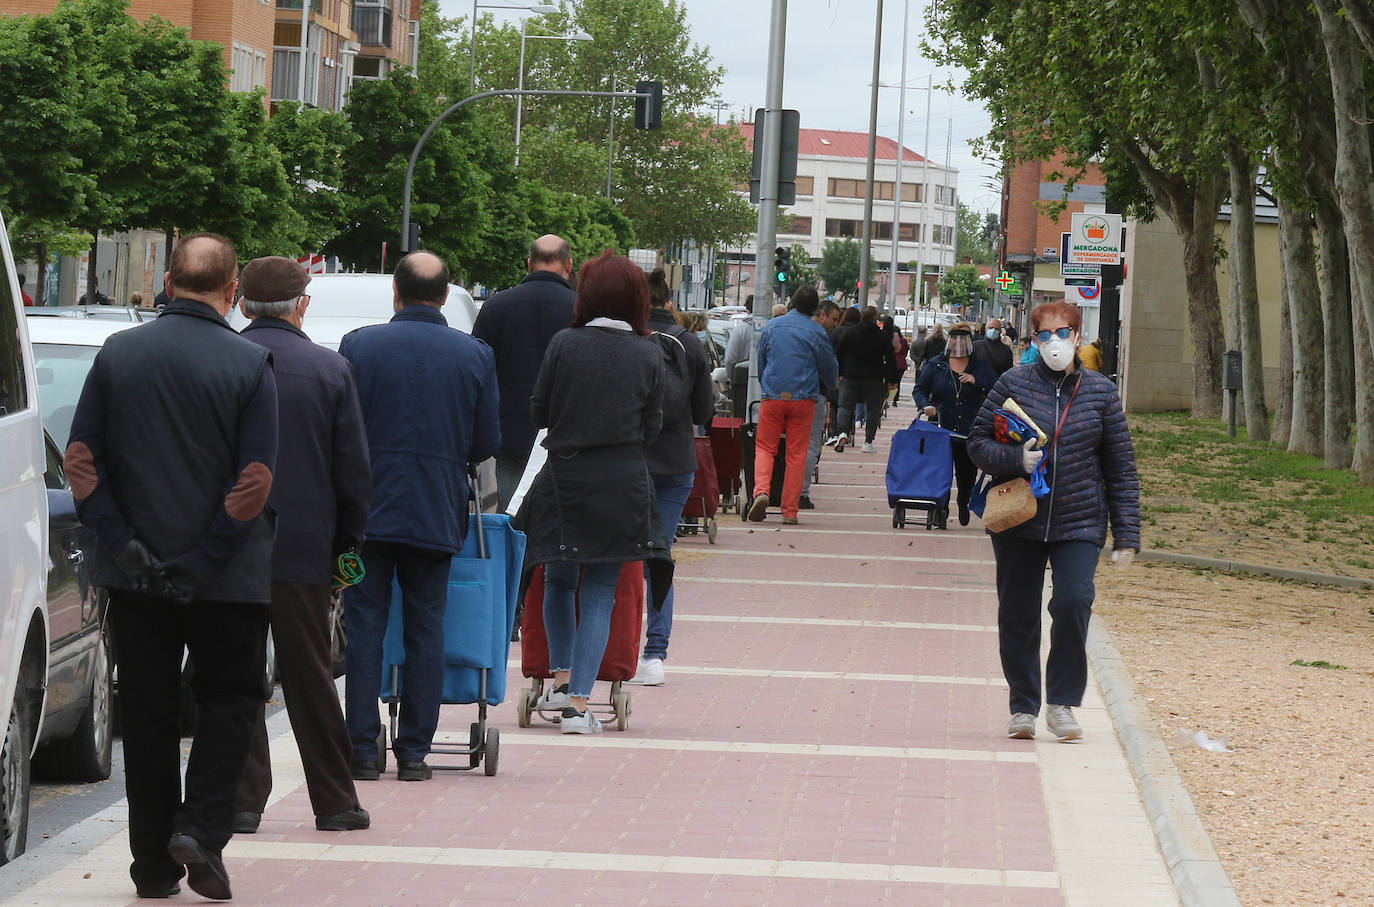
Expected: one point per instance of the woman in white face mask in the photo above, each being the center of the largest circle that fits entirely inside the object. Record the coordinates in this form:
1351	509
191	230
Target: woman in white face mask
1090	468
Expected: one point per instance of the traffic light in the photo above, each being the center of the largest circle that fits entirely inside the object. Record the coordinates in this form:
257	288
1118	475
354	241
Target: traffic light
782	263
649	110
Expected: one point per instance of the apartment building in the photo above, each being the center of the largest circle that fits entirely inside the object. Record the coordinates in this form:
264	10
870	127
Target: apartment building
831	173
320	32
388	34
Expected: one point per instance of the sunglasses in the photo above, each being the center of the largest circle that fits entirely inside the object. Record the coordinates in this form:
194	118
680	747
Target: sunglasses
1061	333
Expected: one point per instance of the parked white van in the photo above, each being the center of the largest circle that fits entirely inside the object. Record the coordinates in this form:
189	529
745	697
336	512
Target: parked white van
23	561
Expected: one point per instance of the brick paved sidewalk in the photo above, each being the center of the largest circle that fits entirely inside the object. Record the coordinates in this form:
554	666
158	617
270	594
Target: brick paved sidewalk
831	732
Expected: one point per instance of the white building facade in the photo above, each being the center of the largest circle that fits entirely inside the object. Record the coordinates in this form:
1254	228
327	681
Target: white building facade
831	172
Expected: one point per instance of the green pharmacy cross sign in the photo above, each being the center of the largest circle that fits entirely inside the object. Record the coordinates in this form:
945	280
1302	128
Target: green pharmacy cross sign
1005	281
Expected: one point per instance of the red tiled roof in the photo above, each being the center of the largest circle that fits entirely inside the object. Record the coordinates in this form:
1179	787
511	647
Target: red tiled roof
837	143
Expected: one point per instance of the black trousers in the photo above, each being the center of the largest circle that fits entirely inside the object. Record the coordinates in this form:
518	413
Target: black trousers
870	392
300	629
1020	579
965	473
227	642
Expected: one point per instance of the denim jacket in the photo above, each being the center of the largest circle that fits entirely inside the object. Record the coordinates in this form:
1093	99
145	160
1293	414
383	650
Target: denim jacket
795	359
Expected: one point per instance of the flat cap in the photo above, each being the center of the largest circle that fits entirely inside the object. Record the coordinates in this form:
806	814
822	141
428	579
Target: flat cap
273	279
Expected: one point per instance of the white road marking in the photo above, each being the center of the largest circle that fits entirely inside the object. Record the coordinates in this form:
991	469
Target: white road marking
832	585
832	622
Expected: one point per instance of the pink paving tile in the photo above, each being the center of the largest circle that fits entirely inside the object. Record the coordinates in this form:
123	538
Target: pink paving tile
973	606
772	536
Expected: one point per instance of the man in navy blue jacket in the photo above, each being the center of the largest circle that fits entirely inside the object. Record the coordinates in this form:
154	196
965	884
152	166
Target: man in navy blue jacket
518	324
430	402
321	496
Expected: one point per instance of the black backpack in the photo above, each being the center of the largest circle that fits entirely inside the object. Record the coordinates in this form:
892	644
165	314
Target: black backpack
677	374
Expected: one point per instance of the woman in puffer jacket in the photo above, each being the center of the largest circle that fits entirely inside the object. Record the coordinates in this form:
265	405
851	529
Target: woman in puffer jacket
1092	475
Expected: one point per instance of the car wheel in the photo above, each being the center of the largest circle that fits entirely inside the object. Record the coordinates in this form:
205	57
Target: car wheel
14	775
86	755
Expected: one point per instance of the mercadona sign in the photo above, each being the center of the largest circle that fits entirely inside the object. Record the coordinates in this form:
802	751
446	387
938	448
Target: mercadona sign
1095	239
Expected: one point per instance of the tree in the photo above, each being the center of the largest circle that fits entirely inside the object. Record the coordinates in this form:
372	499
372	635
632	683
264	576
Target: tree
802	271
974	240
839	266
961	287
313	145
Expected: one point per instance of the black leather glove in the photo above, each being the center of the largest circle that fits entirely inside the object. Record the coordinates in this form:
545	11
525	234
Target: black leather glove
175	583
137	563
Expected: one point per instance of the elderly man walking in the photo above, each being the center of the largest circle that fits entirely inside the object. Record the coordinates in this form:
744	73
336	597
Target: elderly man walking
518	324
321	498
174	481
828	317
794	361
429	400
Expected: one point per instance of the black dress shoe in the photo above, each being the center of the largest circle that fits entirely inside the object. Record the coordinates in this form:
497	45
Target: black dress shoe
805	503
204	869
413	771
963	515
159	892
354	819
364	771
247	823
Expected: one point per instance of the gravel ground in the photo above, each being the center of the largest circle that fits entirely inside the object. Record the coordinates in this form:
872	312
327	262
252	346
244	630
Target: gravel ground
1289	809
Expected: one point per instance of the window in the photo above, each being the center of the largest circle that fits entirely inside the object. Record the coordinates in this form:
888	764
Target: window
800	226
882	190
881	229
14	390
806	185
944	195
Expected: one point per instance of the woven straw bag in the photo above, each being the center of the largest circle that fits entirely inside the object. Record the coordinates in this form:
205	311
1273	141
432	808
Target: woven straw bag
1009	505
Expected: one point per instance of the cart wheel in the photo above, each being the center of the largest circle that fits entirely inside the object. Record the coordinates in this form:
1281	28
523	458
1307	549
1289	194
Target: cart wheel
621	703
381	749
475	744
712	530
524	705
491	752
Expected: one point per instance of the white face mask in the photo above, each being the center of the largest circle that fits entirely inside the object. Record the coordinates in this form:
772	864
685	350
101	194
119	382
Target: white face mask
1058	354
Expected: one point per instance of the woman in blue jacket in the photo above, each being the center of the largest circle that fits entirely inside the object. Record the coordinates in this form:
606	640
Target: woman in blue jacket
952	387
1092	476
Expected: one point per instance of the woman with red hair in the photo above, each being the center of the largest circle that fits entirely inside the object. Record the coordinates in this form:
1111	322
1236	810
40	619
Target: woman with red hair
592	508
1090	468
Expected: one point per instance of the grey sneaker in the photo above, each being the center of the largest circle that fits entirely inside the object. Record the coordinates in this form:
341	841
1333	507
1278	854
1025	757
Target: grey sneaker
583	723
1022	726
869	447
1059	719
554	698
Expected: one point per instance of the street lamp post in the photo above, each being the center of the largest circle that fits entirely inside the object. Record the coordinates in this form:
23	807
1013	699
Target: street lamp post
540	9
520	98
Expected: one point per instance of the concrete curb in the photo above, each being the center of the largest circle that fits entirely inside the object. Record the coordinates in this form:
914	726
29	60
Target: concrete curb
1198	875
1305	576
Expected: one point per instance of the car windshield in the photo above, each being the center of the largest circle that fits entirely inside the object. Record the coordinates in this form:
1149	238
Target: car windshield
61	369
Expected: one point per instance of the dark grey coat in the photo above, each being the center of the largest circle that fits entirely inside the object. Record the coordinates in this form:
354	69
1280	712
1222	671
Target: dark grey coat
1092	465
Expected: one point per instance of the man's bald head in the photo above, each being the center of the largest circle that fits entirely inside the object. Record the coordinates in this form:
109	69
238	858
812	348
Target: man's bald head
202	264
420	278
779	309
550	253
994	323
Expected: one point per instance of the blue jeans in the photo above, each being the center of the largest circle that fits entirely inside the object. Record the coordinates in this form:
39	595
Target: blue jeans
578	625
672	493
423	576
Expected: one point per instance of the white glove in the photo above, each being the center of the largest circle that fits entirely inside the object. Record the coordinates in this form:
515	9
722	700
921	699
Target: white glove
1031	458
1122	557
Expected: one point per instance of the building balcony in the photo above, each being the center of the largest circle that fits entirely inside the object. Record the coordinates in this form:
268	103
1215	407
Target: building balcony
372	23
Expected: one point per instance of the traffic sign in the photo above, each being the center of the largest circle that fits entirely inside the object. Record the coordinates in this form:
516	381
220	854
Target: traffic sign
1095	239
1068	269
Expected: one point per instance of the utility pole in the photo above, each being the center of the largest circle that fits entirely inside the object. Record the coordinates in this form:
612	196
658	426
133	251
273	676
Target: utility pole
768	184
865	251
924	226
891	296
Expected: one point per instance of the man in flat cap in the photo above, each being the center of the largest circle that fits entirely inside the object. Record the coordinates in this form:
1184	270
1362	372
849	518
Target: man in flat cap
322	494
174	483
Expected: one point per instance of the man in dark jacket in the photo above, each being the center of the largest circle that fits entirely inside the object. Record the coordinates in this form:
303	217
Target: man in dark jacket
430	403
672	457
518	324
865	357
174	484
990	348
321	498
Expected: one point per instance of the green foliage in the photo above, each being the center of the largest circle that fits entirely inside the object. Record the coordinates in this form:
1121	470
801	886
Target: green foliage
1319	663
803	272
313	145
959	284
839	266
976	235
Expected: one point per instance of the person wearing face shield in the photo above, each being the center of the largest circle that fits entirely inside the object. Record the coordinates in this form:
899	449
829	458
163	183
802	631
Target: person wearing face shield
952	387
1091	471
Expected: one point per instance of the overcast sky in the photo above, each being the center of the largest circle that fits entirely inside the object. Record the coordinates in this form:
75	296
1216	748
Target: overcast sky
829	61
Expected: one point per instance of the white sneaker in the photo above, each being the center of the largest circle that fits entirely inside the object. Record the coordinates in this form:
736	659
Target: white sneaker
584	723
869	448
1059	719
554	699
842	442
649	673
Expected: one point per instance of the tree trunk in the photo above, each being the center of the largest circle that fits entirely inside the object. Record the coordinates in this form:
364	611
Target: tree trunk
40	296
1283	406
1204	309
1304	312
1333	273
1355	194
1245	293
90	268
1363	462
